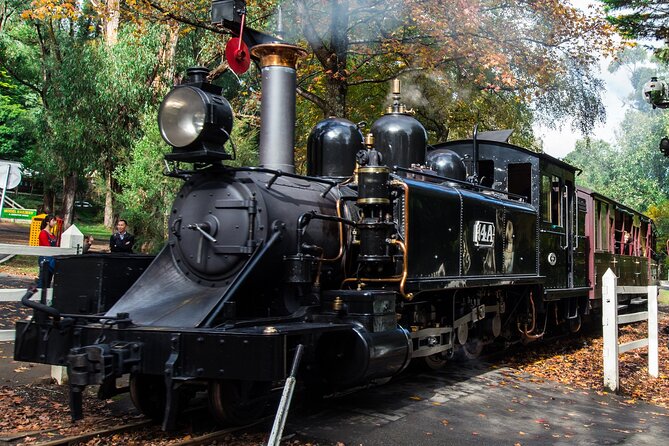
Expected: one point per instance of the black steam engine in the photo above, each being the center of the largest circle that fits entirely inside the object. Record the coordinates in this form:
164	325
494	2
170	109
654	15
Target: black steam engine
385	252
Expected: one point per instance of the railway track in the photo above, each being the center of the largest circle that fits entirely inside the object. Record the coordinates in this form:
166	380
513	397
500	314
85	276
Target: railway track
124	433
74	439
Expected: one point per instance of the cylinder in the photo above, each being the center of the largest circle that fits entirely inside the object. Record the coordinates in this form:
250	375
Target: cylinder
278	62
373	235
373	185
358	356
297	268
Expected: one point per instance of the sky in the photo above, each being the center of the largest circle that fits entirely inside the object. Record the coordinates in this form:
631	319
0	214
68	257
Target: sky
559	142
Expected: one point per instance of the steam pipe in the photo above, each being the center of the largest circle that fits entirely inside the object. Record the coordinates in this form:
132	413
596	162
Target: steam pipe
474	177
528	334
341	237
304	220
401	279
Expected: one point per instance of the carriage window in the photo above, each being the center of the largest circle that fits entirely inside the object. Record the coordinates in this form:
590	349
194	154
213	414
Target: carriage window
550	200
643	238
602	227
520	180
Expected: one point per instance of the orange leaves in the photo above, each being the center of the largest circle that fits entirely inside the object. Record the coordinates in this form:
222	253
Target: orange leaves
578	362
52	9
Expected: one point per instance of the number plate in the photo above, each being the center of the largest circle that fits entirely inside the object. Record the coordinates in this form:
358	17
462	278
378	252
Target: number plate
484	234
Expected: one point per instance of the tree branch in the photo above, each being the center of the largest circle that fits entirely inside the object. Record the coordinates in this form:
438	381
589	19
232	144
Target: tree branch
21	81
311	97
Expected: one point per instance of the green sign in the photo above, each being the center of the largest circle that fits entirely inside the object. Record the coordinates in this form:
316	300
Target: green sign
18	214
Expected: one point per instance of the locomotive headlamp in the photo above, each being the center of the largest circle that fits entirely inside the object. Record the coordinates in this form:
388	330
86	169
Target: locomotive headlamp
182	115
195	120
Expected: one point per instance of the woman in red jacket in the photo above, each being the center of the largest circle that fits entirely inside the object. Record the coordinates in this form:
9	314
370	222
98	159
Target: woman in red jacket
46	238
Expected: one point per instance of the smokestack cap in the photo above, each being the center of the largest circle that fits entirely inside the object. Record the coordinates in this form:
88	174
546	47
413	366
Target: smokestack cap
278	54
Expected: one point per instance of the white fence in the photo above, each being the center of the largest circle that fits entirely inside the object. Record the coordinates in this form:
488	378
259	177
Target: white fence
611	320
15	295
73	238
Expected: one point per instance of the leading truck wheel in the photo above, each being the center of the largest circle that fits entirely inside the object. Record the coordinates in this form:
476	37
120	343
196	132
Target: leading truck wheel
148	395
435	362
472	349
238	402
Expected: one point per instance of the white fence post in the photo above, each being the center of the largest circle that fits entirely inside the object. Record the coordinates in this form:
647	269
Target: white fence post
59	373
611	320
610	330
653	362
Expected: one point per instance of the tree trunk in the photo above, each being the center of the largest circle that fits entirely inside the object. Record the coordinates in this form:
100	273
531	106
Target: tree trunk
113	15
335	101
337	82
69	192
109	208
111	189
332	55
48	200
166	67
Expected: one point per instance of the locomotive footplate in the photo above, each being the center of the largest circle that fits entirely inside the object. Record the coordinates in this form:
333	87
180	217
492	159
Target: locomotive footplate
98	355
252	353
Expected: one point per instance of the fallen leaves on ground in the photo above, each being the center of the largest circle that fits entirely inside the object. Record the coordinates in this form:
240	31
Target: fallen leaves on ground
578	362
43	412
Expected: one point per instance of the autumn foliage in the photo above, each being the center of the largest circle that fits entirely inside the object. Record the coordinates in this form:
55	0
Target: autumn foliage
577	362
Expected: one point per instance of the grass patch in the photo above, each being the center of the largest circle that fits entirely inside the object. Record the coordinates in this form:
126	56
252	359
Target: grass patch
97	230
663	299
21	266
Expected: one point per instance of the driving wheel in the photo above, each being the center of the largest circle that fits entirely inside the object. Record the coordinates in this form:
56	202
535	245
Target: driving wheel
148	395
238	402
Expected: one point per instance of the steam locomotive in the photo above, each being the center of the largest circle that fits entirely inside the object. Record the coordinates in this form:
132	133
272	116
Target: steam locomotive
387	251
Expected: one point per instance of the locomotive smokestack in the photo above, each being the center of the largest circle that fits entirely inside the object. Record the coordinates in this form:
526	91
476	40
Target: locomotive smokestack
278	62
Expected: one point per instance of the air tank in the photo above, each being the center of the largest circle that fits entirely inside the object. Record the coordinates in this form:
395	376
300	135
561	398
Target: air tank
447	163
332	147
400	138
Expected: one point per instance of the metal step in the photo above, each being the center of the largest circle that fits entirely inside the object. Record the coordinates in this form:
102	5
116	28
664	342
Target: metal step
638	301
622	307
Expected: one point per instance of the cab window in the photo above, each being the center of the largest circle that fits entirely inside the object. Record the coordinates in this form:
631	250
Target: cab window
551	204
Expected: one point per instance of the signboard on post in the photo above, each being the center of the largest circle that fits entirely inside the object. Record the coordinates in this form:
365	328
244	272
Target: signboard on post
18	214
